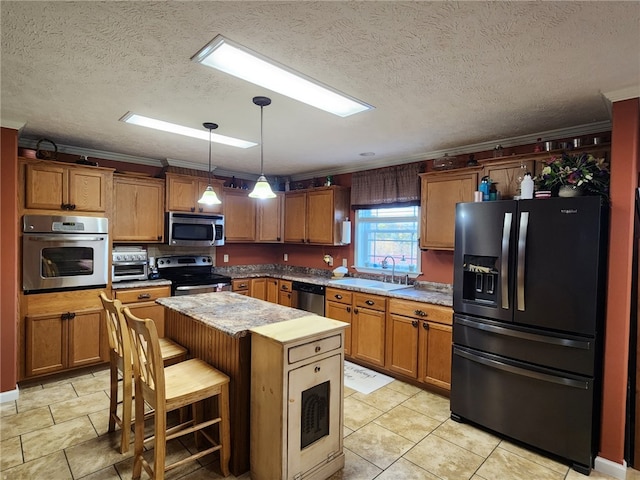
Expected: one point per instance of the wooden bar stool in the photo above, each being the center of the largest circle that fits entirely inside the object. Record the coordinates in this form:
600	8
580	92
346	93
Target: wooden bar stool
119	350
170	388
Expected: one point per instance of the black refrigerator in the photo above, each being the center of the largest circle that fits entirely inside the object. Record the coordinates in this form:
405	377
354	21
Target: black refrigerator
529	307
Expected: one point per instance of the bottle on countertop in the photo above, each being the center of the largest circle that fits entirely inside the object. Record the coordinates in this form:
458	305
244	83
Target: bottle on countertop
526	187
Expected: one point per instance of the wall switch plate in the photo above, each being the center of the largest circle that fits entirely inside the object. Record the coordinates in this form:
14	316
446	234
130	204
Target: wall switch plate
344	262
286	257
225	258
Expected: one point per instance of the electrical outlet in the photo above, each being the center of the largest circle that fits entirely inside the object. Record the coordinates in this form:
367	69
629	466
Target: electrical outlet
225	258
286	257
344	262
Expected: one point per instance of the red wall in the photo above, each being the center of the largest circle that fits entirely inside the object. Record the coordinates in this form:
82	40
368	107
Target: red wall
8	257
625	160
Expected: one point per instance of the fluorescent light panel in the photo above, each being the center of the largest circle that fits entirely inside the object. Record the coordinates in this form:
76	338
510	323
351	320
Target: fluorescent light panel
142	121
239	61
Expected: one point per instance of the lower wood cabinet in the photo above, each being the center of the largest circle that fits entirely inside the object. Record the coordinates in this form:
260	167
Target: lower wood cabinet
258	288
142	303
338	306
240	286
62	331
286	295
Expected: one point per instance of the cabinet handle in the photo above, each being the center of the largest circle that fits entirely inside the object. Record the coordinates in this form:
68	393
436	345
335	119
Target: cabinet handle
200	209
370	302
72	206
278	238
318	348
414	323
143	296
317	369
339	297
159	237
72	315
193	209
64	316
355	310
302	240
348	309
420	313
425	325
285	288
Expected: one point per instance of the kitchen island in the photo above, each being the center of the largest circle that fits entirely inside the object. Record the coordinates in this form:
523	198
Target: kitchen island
215	328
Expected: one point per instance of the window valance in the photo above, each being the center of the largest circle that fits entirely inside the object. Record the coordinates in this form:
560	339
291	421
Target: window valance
396	186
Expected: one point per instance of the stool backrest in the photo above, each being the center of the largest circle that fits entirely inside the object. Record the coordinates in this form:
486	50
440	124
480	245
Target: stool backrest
119	340
148	365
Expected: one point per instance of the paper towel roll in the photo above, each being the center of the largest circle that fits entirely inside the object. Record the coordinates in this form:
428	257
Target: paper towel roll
346	232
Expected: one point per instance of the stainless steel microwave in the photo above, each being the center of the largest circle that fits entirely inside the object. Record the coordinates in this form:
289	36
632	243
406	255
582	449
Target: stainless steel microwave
194	230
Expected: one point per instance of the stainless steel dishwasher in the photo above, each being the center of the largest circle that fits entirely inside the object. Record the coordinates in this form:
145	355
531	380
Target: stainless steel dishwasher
310	297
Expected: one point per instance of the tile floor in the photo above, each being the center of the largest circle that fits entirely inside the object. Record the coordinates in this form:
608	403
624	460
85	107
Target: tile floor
58	430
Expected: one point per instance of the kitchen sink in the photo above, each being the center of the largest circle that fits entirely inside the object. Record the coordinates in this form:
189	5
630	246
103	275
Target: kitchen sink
366	283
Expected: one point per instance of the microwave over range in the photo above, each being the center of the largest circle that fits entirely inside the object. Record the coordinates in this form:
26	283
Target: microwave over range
194	230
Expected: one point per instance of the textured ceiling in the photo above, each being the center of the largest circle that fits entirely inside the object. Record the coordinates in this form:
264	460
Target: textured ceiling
442	75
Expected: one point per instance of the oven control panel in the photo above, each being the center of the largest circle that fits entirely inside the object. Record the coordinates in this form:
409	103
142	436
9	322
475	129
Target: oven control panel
184	261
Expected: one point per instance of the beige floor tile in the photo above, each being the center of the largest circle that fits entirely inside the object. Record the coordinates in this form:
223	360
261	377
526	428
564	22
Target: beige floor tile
8	408
408	390
383	399
52	466
405	470
56	437
466	436
535	457
209	473
100	421
573	475
91	384
407	423
377	445
96	454
175	452
348	391
79	406
39	398
444	459
505	464
346	431
429	404
355	468
358	414
25	422
66	379
631	474
10	453
109	473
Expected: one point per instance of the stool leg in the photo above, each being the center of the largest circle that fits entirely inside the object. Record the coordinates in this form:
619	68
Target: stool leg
127	395
196	418
225	434
113	401
139	434
160	448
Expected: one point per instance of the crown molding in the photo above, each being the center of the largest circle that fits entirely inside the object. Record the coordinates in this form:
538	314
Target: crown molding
623	94
13	125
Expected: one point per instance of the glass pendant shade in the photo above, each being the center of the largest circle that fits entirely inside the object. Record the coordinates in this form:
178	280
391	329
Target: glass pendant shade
209	196
262	189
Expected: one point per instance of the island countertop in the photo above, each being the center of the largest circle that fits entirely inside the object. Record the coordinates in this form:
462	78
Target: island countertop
229	312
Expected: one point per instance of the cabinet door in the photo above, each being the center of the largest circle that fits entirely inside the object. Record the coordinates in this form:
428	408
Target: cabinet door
269	219
440	193
272	290
240	212
181	193
435	354
342	312
86	330
320	217
150	310
45	186
139	210
295	217
217	187
285	294
87	190
258	288
368	335
46	344
402	345
508	175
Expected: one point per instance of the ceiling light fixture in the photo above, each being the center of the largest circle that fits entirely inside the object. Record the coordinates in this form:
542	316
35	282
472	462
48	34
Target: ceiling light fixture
262	188
239	61
135	119
209	196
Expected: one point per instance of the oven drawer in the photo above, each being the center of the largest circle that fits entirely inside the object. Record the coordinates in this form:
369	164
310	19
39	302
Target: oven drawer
142	294
312	349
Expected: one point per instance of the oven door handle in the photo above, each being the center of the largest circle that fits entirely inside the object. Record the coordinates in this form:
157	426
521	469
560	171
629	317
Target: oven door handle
60	238
198	287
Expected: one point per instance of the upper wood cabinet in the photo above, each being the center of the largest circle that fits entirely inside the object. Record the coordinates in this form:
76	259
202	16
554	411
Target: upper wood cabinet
440	193
269	224
138	214
240	212
507	175
66	187
183	192
315	216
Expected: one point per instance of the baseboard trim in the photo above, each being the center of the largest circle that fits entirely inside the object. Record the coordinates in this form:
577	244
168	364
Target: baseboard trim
608	467
9	396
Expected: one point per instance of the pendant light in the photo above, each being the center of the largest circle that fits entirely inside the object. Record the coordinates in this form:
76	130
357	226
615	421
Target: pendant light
262	188
209	196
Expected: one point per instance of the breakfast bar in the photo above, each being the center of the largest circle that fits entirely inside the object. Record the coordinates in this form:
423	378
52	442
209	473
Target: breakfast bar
215	328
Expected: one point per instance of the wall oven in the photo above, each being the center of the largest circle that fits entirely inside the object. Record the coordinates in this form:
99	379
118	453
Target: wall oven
64	253
194	230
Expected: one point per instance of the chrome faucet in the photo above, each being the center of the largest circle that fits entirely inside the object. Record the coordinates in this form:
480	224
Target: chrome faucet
393	268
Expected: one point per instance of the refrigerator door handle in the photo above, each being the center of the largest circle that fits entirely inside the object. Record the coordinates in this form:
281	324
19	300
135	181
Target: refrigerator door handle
522	249
505	367
504	260
565	342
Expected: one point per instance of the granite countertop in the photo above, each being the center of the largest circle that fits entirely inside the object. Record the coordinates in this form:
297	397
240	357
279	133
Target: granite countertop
229	312
140	284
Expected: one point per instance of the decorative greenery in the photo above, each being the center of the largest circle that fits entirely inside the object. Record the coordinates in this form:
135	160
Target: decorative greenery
580	170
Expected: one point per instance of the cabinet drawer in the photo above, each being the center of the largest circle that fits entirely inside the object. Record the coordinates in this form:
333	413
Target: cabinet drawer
312	349
240	284
374	302
142	294
340	296
421	311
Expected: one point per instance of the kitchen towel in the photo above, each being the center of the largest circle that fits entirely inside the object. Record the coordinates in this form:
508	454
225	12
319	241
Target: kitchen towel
363	379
